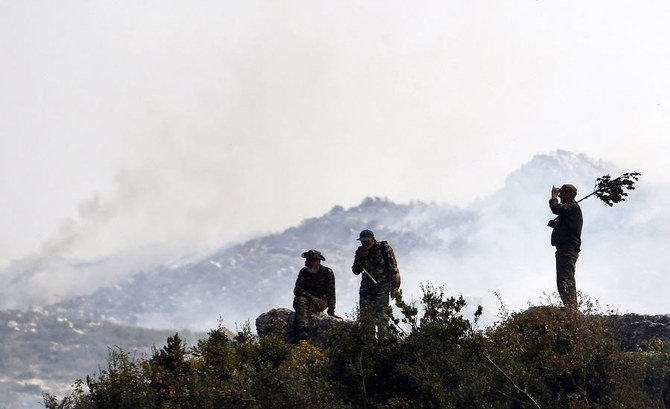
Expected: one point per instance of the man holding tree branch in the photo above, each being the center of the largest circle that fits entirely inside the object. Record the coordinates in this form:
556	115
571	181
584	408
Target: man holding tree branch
566	237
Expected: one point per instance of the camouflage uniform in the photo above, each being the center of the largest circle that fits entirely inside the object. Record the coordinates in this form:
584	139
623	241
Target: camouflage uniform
381	264
320	285
566	237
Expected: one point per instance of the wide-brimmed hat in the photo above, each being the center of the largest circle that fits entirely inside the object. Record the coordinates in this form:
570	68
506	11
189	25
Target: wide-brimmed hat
313	254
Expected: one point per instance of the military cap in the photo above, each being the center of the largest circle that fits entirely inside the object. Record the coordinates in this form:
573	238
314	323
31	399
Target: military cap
313	254
366	235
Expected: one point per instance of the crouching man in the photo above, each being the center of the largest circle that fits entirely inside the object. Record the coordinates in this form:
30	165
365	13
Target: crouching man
314	292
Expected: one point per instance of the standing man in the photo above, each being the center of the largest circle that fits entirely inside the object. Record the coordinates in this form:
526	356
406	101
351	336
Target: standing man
314	292
380	277
566	236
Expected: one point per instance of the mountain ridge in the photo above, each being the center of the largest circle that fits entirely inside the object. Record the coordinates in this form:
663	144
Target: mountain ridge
497	244
238	282
41	352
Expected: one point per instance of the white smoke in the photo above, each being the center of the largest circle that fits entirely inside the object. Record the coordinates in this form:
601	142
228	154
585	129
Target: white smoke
236	118
622	264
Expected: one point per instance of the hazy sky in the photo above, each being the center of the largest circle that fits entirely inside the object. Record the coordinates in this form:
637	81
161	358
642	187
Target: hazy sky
126	124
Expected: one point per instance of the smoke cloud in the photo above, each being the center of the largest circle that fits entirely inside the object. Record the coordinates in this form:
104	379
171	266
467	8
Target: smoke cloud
159	129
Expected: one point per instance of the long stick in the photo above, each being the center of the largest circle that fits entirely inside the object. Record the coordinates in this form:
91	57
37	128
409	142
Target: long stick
369	276
587	196
488	358
360	367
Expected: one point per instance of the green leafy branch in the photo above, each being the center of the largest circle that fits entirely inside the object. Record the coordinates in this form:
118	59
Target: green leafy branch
612	191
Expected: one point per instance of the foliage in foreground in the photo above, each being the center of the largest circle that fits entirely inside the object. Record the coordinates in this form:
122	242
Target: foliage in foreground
546	357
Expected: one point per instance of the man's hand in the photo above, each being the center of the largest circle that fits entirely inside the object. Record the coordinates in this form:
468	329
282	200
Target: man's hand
554	191
319	303
361	251
394	293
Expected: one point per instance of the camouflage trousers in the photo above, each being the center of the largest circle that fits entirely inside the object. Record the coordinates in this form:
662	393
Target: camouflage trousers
375	304
566	259
304	308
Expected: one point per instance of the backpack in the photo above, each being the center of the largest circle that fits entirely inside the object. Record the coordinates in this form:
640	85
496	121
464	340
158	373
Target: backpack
394	278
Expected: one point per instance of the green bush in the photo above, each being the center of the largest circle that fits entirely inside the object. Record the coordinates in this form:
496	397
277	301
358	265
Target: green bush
562	359
546	357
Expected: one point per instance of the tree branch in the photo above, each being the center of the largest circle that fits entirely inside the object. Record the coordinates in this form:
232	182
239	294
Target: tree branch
488	358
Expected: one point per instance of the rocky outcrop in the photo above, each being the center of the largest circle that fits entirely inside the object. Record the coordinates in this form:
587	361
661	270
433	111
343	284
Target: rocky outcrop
279	321
632	331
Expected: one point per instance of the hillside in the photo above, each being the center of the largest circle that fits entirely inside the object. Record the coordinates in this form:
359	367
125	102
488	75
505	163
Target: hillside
497	244
242	280
462	247
40	352
543	357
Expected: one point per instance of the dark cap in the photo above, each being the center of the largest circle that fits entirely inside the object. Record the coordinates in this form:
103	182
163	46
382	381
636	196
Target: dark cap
568	188
313	254
366	235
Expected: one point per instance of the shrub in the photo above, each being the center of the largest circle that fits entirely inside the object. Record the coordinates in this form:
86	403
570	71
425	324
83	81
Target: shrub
561	359
547	357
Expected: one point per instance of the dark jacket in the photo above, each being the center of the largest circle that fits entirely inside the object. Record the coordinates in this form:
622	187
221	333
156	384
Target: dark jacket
568	225
321	285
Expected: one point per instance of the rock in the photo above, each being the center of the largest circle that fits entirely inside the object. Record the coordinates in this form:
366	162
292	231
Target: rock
230	335
279	321
631	330
276	321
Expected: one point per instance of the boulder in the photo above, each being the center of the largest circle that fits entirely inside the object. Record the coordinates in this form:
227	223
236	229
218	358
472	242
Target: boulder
279	321
632	330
